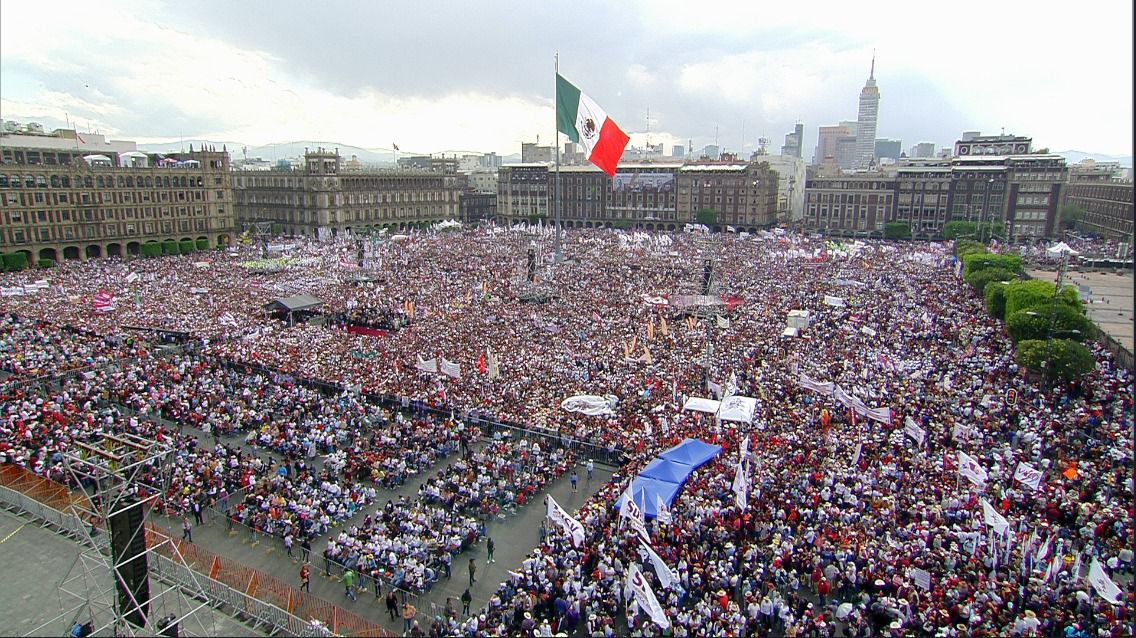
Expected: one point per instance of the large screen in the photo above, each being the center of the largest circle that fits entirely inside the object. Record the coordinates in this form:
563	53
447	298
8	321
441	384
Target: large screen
643	182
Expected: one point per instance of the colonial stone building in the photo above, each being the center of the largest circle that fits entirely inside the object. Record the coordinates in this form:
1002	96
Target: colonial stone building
322	199
67	204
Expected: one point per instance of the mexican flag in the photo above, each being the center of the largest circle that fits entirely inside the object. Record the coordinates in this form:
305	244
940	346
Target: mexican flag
584	122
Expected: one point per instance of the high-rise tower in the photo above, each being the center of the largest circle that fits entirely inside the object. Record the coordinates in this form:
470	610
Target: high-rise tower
869	112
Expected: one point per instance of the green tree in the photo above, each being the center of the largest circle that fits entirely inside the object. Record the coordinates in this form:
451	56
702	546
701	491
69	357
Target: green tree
897	230
15	261
968	247
1069	214
186	246
975	262
202	244
1033	323
151	249
1035	293
46	263
954	230
981	278
995	294
707	217
170	247
1070	359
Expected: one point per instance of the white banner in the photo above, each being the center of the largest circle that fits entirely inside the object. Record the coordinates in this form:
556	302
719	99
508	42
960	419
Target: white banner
449	368
1103	584
645	597
493	365
816	386
700	404
921	578
591	404
566	522
132	277
971	469
667	576
1028	476
836	302
912	429
723	323
426	365
737	408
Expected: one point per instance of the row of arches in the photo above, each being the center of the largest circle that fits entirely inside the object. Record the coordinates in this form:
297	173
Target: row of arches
113	249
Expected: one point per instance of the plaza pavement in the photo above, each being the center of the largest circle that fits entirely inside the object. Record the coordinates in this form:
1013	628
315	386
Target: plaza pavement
514	537
1109	299
35	562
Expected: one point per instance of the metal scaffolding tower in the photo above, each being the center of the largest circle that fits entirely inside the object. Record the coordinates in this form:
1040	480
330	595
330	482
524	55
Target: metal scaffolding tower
127	580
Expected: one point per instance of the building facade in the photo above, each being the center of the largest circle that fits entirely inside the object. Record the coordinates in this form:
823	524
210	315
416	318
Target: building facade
1106	199
850	205
64	204
829	139
322	200
866	121
923	194
794	142
649	195
886	149
475	207
790	187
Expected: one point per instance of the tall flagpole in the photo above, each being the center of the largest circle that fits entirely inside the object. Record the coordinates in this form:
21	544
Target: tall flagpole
558	256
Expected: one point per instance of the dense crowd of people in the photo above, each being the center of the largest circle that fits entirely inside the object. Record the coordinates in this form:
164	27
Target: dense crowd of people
852	526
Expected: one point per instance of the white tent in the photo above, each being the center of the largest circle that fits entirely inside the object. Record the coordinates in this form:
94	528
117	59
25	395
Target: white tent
790	331
101	160
737	408
698	404
133	159
1060	250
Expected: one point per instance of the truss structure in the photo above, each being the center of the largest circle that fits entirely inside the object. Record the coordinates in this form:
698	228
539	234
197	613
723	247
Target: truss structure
121	475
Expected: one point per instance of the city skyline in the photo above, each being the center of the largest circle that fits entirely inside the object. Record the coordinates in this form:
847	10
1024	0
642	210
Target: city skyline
483	80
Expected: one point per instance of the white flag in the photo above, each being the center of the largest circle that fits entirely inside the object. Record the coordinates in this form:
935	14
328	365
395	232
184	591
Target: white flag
662	512
645	597
740	486
633	513
723	323
492	364
716	389
971	469
1103	584
132	277
993	519
566	522
912	429
666	575
1028	476
449	368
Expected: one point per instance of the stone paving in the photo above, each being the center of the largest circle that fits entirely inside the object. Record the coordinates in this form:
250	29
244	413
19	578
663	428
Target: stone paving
1108	299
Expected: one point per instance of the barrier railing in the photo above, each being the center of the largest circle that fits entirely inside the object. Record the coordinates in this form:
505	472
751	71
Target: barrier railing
244	590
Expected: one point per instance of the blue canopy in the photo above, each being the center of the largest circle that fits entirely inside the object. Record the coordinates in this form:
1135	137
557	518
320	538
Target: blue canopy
692	452
646	489
667	470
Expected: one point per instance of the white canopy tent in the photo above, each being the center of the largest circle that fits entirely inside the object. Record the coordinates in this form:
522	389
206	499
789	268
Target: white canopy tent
1060	250
699	404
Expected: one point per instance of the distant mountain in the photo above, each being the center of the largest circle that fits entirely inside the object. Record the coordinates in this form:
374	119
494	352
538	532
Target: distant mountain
1074	157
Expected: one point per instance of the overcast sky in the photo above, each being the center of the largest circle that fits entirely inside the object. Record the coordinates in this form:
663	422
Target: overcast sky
478	76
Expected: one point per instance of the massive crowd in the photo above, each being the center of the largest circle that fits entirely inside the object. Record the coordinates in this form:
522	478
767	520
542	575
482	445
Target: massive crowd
844	513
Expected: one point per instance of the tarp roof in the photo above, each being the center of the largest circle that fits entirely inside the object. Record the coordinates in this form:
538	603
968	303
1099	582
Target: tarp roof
667	470
692	452
737	408
646	489
290	304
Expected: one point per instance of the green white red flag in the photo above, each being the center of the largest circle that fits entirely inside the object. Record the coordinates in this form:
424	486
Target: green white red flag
584	122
